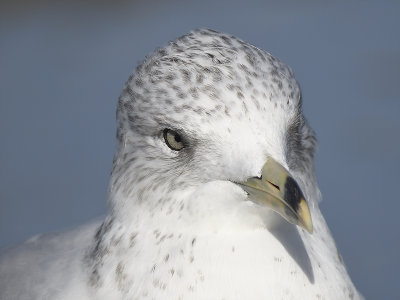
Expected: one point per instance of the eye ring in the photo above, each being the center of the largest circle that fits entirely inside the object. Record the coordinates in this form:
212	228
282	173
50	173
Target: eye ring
173	139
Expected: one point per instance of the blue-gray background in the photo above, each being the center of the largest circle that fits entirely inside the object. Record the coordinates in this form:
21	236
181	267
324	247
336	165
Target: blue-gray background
62	67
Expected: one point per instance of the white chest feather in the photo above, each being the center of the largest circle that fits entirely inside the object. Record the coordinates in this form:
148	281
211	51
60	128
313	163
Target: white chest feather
256	264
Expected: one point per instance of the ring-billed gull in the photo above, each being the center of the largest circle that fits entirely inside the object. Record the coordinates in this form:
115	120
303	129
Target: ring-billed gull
212	193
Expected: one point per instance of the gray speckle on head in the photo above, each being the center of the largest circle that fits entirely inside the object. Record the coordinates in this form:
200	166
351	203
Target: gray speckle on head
162	238
157	233
132	238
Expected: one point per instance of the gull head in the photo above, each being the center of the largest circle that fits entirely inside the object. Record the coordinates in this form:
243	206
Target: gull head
210	125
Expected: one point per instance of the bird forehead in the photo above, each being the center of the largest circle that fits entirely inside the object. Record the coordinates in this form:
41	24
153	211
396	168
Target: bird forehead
206	77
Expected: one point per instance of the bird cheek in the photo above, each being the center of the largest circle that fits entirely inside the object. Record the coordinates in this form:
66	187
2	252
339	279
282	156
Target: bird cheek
244	164
216	201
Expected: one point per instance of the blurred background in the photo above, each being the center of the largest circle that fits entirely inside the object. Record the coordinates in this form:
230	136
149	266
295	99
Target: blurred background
64	63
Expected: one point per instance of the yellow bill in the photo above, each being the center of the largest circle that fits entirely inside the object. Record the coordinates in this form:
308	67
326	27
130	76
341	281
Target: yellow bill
277	190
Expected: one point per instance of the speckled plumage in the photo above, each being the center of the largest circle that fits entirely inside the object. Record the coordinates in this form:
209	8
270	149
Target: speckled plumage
178	227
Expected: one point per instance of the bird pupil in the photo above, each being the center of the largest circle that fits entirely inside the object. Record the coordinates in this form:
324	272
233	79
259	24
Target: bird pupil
177	138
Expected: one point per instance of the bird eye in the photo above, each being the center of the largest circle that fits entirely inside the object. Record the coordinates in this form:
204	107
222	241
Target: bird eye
173	140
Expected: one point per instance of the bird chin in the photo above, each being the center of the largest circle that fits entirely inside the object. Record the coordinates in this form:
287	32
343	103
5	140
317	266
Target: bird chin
226	208
270	219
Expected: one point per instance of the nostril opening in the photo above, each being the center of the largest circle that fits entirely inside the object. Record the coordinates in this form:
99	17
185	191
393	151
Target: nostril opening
274	185
257	177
